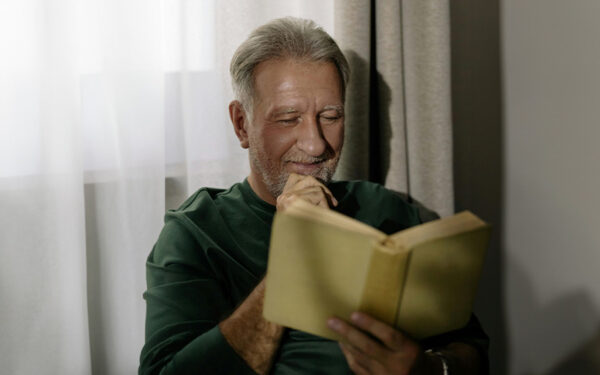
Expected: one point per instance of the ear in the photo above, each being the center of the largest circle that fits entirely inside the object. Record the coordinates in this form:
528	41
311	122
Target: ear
240	121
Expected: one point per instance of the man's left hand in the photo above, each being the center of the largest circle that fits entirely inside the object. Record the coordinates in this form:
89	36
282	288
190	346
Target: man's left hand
373	347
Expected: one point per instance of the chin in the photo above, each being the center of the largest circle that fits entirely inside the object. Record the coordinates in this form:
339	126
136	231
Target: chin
323	171
324	175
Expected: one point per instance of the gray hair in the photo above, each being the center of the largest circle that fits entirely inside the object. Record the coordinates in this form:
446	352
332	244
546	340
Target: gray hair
282	38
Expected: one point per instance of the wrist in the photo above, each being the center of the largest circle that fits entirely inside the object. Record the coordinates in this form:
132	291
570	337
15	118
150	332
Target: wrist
437	362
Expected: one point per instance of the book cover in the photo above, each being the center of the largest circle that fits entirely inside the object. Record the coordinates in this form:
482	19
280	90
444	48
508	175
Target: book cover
421	280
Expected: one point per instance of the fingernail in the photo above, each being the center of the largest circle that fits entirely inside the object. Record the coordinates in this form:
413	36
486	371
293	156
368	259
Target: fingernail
355	317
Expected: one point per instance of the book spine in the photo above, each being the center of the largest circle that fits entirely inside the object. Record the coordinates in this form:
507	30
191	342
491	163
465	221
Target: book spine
384	284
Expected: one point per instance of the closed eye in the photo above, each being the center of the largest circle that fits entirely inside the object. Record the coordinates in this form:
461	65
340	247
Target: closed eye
288	121
330	119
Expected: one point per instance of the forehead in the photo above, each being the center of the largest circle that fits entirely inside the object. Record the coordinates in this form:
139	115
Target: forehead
288	79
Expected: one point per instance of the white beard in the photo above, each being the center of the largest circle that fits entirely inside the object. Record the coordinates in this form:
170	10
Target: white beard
275	175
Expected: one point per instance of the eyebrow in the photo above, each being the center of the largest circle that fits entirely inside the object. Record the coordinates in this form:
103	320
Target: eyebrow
288	110
284	111
338	108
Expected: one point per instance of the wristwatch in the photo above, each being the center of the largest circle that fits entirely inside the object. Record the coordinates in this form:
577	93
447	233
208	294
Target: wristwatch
442	358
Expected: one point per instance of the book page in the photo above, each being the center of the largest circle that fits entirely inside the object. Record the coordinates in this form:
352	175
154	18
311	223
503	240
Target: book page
441	282
304	209
440	228
315	271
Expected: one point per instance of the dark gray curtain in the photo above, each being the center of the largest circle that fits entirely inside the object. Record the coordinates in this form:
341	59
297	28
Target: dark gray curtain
399	129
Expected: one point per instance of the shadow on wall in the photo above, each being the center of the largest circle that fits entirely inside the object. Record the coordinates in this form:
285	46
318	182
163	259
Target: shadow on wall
584	361
368	100
478	150
546	328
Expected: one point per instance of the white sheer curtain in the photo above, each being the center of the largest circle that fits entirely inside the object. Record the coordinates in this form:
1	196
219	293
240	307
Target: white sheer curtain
111	111
101	102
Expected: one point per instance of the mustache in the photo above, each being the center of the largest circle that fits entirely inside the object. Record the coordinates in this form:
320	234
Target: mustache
307	159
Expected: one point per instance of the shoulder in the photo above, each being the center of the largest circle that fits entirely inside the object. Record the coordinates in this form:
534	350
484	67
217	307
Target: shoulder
372	203
363	188
203	198
203	206
371	193
189	227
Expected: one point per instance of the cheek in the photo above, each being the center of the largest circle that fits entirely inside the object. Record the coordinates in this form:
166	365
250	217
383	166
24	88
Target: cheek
335	137
278	141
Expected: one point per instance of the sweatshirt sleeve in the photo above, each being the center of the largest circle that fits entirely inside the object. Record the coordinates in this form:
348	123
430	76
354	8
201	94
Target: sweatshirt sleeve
185	299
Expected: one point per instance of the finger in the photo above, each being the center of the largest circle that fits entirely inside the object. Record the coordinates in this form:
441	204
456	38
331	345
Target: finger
313	194
292	180
372	365
388	335
298	182
353	363
356	338
331	201
323	203
318	199
320	191
324	194
284	201
307	181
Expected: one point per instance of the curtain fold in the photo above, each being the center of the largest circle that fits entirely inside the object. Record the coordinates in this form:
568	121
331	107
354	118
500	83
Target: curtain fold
399	129
112	111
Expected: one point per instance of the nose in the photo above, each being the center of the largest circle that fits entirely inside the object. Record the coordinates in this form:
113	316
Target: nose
309	137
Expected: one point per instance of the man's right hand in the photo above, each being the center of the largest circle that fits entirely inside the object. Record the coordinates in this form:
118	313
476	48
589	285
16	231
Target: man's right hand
306	188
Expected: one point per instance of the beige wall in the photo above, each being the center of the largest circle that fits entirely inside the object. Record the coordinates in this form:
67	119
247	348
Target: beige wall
526	106
551	84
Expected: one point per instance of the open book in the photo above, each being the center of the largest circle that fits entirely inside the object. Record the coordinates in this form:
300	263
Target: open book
421	280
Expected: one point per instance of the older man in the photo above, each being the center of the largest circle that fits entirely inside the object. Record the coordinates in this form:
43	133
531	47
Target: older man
205	287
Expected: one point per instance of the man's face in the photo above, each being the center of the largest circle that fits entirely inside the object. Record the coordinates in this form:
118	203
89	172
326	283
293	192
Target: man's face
297	124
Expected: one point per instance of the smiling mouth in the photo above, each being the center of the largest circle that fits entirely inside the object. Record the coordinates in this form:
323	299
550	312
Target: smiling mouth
305	167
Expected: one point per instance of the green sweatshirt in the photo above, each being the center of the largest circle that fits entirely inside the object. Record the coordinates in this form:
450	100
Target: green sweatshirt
211	254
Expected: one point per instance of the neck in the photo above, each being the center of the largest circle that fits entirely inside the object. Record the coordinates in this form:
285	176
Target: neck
261	190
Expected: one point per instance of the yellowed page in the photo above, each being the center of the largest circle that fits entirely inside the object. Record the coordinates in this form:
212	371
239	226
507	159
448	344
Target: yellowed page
441	283
447	226
315	271
304	209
